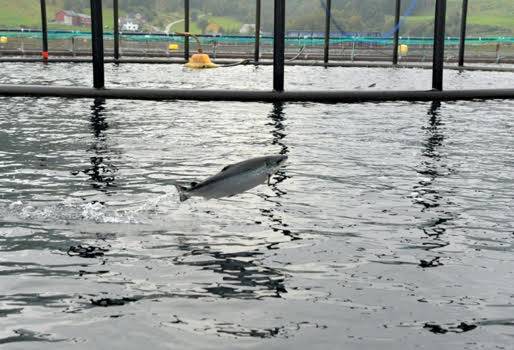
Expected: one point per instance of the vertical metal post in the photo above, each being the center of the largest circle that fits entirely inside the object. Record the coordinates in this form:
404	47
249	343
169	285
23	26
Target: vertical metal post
186	29
396	40
438	57
44	30
116	30
279	45
463	21
97	44
328	11
257	31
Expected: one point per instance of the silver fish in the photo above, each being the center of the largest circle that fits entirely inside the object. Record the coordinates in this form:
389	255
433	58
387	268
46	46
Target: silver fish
235	178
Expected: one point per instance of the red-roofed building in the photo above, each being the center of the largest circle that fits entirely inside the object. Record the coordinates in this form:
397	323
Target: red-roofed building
72	18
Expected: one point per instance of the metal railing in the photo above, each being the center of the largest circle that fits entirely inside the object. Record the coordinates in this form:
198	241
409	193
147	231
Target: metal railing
280	43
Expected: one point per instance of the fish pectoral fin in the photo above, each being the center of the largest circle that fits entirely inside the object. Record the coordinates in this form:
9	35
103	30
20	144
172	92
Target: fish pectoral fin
183	196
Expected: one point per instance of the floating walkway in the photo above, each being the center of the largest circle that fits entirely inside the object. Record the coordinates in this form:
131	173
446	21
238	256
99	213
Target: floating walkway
254	96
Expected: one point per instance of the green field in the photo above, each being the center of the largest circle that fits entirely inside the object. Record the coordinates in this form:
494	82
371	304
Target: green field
27	14
18	13
179	27
485	17
494	8
493	17
505	22
227	23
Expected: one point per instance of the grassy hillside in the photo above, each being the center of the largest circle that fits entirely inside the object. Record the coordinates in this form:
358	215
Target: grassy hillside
179	27
18	13
485	17
228	24
27	14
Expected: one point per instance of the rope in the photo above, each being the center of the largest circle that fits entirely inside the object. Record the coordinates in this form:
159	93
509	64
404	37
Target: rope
297	55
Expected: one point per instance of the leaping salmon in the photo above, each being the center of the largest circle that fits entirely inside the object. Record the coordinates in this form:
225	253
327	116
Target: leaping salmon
234	179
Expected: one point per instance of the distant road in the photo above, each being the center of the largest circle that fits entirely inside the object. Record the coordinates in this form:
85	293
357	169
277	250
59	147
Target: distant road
168	27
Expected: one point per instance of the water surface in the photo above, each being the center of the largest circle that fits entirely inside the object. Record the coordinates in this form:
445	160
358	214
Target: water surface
391	222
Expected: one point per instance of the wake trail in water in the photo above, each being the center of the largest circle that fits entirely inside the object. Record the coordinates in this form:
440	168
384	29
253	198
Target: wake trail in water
129	212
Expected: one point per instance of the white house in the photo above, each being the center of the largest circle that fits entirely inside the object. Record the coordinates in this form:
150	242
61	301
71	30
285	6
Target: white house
247	28
130	26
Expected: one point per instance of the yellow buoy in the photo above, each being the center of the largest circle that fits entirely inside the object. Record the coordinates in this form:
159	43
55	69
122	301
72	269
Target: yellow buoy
3	40
199	61
403	49
173	47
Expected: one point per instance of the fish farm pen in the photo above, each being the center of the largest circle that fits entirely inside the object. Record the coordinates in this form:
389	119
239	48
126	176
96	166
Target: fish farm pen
283	190
346	49
278	44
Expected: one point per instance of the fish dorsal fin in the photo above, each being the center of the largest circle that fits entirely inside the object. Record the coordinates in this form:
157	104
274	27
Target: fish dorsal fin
226	168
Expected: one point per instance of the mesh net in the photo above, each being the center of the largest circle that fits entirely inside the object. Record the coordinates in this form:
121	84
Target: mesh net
227	39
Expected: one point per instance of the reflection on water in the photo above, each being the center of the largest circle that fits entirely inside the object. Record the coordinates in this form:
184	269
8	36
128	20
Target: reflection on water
243	275
433	167
277	117
24	335
278	132
102	170
430	167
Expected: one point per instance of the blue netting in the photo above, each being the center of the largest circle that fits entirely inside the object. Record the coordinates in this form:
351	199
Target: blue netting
228	39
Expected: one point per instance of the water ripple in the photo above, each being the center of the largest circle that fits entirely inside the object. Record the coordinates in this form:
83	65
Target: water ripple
387	217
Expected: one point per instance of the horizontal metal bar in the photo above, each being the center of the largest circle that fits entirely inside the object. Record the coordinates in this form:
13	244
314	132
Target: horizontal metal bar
254	96
261	62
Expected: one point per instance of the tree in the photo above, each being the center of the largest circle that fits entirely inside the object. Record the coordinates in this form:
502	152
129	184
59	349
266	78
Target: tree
355	24
202	23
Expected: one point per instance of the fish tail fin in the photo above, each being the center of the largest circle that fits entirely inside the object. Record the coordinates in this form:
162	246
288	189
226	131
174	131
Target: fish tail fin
182	192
